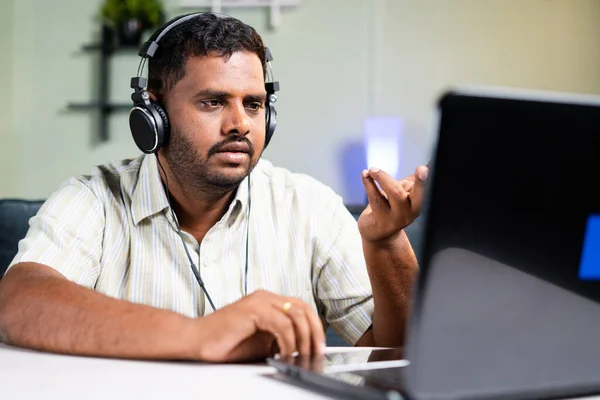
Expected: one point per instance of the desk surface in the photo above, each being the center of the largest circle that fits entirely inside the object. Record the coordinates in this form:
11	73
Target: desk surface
27	374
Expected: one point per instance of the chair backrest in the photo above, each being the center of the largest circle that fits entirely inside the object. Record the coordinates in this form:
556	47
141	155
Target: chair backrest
14	223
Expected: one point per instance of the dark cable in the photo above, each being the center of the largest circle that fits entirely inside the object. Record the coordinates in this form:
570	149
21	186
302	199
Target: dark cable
192	265
247	235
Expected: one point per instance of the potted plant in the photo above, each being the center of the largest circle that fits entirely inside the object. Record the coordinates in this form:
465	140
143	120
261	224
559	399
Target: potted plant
130	18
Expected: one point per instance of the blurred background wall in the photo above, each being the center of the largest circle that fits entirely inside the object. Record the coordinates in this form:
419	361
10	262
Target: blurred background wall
338	61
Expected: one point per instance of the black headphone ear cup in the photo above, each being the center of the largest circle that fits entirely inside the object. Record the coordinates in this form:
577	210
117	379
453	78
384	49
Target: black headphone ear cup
149	126
271	119
164	133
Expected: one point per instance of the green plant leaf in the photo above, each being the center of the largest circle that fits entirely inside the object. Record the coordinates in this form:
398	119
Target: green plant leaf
149	12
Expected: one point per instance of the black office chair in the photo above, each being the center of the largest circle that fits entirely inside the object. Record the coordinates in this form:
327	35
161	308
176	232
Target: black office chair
14	223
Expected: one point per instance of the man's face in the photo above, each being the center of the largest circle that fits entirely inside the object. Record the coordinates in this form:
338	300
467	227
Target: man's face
217	117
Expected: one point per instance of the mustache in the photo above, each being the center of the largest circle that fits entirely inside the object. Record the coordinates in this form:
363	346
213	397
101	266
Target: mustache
233	139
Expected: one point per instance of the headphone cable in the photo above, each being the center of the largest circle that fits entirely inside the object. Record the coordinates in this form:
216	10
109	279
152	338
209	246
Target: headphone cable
192	265
247	236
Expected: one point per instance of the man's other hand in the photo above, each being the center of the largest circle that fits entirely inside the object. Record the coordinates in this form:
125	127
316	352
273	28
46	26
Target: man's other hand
393	205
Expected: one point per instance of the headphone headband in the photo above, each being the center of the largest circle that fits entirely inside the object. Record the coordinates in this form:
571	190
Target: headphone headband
149	48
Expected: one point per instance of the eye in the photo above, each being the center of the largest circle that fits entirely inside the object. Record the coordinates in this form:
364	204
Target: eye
212	103
254	106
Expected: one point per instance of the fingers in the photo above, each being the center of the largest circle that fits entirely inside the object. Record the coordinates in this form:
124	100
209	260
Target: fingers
395	192
416	194
376	199
297	314
294	324
407	183
259	325
410	187
318	334
310	337
386	181
282	328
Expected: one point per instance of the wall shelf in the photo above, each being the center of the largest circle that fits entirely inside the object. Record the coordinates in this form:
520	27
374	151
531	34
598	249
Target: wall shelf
95	105
101	103
217	6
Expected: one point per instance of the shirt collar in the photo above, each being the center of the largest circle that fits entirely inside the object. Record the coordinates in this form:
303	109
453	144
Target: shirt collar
148	196
239	205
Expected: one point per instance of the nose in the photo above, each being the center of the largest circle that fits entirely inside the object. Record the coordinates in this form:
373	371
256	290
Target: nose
237	121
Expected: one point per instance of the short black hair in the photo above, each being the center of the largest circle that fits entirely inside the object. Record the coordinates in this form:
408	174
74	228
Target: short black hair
199	36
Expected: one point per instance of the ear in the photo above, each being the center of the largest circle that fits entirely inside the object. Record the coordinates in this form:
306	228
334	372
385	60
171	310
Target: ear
153	97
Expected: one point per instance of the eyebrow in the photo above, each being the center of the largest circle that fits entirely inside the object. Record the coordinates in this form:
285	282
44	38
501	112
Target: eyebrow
218	94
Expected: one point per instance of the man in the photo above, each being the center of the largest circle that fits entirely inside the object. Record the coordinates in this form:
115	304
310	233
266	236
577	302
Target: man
104	268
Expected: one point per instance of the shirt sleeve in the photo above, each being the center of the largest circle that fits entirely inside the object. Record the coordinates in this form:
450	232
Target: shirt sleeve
342	285
67	234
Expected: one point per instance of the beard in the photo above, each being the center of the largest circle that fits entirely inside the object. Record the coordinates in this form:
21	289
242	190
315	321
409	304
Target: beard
194	171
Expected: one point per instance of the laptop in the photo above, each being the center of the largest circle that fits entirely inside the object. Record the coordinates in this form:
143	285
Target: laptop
507	302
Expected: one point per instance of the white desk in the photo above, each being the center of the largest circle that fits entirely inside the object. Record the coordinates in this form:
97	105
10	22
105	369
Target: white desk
26	374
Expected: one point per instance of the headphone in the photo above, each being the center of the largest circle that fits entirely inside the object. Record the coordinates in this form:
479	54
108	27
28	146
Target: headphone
149	122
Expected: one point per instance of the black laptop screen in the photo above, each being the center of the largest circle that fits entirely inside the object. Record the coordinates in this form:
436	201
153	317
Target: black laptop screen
517	181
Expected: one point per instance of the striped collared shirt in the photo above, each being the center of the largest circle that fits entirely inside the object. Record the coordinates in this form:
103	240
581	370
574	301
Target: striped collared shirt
113	232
